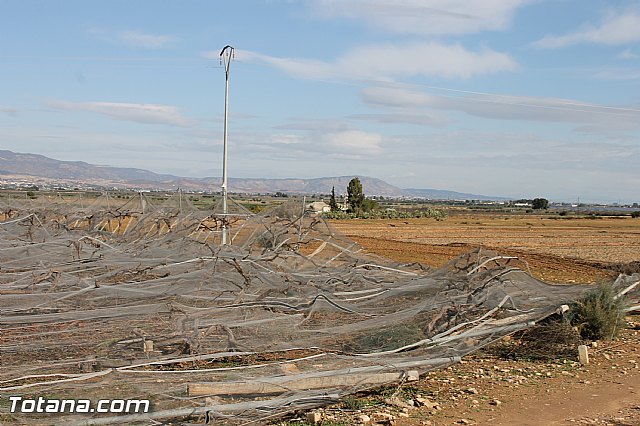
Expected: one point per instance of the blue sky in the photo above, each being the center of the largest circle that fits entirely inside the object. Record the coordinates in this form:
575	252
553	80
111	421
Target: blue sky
520	98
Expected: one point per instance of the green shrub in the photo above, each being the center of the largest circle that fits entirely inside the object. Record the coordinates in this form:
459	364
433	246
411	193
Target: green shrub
598	315
387	214
352	402
540	203
384	339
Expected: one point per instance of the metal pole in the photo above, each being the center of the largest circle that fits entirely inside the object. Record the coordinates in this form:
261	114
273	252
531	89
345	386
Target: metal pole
226	55
304	202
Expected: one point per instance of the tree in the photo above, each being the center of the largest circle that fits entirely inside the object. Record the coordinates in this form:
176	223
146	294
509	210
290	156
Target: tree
369	205
355	195
635	214
332	201
540	203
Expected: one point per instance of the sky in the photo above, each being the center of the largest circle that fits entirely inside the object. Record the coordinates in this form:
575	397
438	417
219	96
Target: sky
515	98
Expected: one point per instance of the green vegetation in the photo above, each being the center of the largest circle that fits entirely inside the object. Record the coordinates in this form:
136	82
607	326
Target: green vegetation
540	204
355	195
635	214
360	207
255	207
333	204
352	402
552	339
598	315
369	205
388	214
384	339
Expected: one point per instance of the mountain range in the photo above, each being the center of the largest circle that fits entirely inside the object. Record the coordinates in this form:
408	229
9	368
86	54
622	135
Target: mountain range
38	168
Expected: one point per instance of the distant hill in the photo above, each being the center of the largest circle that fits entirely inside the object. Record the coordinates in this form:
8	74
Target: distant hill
34	166
321	185
439	194
45	167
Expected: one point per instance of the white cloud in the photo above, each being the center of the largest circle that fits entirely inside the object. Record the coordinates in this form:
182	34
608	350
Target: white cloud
591	117
13	112
618	74
139	39
423	17
285	139
518	151
140	113
419	119
627	54
615	29
314	125
133	38
353	142
396	95
387	61
305	138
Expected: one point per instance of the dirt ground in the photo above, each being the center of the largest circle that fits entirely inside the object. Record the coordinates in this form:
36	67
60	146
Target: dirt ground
488	390
485	389
557	249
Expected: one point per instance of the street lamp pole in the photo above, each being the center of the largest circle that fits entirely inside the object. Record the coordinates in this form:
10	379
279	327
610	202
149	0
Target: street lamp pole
225	56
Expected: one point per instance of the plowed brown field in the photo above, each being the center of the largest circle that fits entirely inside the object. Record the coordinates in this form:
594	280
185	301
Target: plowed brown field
557	249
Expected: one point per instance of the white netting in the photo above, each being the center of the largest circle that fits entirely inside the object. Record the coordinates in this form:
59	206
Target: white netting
291	315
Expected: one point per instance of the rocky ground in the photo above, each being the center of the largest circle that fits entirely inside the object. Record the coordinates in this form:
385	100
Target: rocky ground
488	388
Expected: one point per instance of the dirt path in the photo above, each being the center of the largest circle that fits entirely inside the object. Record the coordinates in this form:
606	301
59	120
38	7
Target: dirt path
606	391
608	399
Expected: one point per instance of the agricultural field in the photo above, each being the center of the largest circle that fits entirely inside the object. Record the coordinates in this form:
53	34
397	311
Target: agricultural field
569	249
491	388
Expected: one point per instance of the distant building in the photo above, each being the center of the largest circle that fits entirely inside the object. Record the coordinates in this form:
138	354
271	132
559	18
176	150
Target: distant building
344	205
319	207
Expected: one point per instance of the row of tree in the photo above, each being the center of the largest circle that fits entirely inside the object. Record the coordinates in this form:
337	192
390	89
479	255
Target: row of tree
357	203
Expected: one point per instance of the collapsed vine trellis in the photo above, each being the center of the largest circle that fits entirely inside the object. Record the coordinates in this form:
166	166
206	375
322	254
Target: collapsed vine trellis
141	301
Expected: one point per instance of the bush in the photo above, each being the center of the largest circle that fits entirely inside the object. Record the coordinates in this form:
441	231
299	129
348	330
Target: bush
387	214
384	339
635	214
540	203
599	315
551	339
369	205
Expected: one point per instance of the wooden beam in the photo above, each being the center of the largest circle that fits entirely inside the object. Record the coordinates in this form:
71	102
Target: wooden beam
277	385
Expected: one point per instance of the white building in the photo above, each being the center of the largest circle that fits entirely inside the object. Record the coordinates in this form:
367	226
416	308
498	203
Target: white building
319	207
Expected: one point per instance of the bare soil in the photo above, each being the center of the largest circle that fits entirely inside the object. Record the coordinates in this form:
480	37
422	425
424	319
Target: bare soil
558	250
